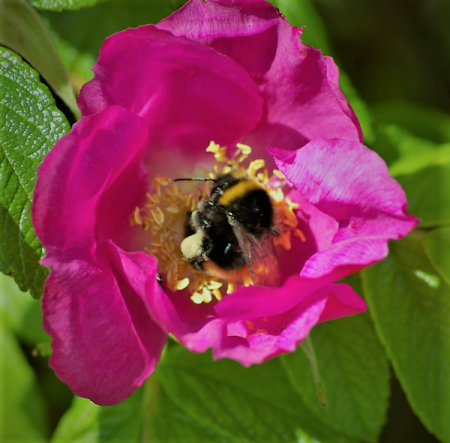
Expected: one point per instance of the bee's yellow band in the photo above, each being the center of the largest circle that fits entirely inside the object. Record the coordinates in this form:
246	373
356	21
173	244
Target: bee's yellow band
238	190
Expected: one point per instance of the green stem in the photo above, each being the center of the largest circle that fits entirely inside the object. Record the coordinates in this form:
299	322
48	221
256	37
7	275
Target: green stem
321	391
151	397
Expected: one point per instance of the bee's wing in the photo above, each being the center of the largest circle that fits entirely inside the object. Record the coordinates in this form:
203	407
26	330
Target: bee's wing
259	254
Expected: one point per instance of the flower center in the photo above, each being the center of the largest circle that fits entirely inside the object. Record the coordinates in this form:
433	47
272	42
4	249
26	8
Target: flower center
173	208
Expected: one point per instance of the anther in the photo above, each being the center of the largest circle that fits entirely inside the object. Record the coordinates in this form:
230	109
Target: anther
182	284
245	149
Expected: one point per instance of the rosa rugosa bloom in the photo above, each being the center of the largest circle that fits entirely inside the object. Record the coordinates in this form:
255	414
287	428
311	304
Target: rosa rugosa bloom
111	221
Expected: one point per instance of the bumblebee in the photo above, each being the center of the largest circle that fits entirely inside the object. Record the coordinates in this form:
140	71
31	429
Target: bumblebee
231	233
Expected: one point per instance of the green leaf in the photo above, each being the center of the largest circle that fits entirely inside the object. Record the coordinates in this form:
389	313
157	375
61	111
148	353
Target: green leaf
395	144
437	248
423	158
303	437
407	153
428	194
20	313
355	281
58	5
22	416
237	403
410	305
14	304
89	423
147	410
419	120
355	371
79	50
29	126
171	424
22	30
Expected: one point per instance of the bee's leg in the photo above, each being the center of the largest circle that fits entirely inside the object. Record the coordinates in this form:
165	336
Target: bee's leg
160	281
197	262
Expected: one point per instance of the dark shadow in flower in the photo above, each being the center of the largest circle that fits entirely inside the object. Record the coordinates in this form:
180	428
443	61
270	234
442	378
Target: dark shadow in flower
274	135
243	49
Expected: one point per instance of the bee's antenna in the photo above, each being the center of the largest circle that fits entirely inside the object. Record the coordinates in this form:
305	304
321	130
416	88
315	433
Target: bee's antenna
194	179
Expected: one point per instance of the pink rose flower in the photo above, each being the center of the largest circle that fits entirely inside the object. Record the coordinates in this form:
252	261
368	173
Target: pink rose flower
232	72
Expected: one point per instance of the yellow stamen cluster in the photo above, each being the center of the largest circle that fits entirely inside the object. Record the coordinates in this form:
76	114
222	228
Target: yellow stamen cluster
164	217
288	221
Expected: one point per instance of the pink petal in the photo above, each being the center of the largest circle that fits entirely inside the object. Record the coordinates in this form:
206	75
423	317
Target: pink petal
342	301
318	229
104	343
299	85
350	183
266	339
258	339
188	94
258	302
76	176
197	333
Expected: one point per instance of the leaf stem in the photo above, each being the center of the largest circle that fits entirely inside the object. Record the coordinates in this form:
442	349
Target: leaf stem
308	349
151	396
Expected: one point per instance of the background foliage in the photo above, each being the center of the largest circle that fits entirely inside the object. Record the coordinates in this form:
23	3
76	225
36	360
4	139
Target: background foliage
395	67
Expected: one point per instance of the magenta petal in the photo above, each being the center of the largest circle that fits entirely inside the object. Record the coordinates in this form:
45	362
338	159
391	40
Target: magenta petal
76	174
258	339
276	335
104	344
342	301
319	230
350	183
139	270
256	301
298	84
187	93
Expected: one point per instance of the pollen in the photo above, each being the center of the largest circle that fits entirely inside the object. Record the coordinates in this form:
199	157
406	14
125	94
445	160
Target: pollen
247	280
217	294
204	297
284	240
158	216
291	204
277	195
245	149
219	151
285	213
300	234
163	219
255	165
279	174
231	288
214	285
135	218
182	284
